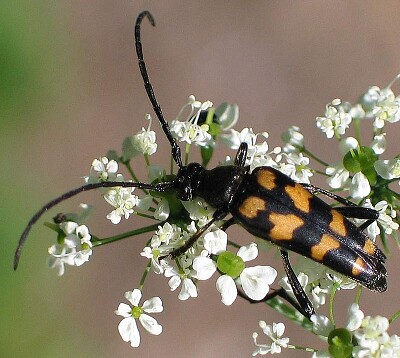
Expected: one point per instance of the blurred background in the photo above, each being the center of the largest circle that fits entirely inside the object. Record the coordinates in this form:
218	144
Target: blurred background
70	90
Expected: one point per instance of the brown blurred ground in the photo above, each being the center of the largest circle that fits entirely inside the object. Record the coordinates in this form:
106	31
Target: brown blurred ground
280	61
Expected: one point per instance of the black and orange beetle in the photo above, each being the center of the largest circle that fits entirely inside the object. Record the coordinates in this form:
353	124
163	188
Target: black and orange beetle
268	204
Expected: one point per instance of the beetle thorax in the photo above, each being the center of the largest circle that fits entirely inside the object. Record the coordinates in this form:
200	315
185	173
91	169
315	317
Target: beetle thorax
188	180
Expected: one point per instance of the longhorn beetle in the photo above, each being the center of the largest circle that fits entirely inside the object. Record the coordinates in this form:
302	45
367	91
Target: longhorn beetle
268	204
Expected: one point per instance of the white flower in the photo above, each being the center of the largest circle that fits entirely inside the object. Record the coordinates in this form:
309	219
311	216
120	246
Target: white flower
359	187
162	210
379	143
166	234
188	289
357	112
75	249
318	293
143	142
321	279
294	140
123	200
189	131
255	280
233	139
370	98
215	241
60	255
386	108
203	266
339	177
336	120
127	327
371	337
385	219
227	115
321	325
199	211
296	167
348	143
158	266
388	169
355	317
274	333
103	170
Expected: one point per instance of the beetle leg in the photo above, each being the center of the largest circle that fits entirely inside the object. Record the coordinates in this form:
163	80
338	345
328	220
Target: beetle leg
279	292
240	159
227	224
298	291
315	190
351	210
357	212
218	215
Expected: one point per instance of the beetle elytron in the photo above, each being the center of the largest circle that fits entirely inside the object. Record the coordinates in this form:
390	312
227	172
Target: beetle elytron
268	204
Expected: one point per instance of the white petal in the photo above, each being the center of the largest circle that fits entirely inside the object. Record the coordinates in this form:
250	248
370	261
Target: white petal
114	217
215	241
188	289
153	305
162	211
256	280
249	252
150	324
134	296
279	329
174	282
355	317
227	287
348	143
379	143
129	332
204	267
124	310
321	325
359	187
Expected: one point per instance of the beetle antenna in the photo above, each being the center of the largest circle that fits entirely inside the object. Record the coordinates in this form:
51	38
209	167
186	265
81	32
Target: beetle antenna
176	150
69	194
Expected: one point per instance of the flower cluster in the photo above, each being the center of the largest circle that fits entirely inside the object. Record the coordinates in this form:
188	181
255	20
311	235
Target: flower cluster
362	174
73	248
361	337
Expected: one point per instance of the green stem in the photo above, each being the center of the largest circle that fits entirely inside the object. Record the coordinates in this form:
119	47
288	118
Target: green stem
142	230
394	317
306	151
290	313
145	215
133	175
187	151
130	170
333	293
393	192
358	294
146	159
357	132
307	349
237	246
145	273
321	173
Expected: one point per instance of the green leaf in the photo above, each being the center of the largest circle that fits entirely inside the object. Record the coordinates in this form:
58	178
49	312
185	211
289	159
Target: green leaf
359	160
206	154
340	343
